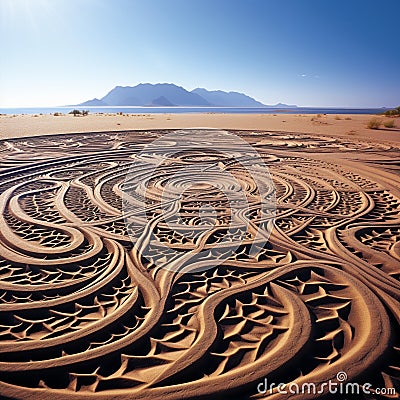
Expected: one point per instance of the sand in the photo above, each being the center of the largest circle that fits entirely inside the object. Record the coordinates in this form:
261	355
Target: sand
334	125
262	255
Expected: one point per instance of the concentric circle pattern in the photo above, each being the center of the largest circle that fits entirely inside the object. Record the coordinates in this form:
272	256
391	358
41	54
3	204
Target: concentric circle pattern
132	270
208	202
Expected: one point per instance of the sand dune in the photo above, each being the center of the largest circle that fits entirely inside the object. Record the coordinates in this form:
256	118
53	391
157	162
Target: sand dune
294	293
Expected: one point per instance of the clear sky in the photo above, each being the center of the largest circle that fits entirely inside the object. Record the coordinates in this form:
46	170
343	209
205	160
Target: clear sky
304	52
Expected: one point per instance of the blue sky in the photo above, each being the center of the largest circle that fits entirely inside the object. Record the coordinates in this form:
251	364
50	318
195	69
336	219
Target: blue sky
305	52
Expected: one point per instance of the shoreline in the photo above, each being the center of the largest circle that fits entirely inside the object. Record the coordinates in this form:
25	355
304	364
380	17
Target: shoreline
352	126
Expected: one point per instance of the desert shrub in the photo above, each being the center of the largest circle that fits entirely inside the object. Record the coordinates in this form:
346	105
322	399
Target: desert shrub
389	123
393	113
75	112
337	117
348	119
85	112
57	114
374	123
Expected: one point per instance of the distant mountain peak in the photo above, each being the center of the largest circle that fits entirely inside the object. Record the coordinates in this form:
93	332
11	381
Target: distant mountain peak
145	94
169	95
162	101
227	99
94	103
282	105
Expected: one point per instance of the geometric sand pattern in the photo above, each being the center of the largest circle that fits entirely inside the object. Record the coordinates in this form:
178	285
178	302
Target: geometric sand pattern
85	315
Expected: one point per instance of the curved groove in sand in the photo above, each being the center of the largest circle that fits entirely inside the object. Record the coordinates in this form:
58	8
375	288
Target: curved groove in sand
88	310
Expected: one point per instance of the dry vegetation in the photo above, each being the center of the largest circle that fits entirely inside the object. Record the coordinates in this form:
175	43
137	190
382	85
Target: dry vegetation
374	123
389	124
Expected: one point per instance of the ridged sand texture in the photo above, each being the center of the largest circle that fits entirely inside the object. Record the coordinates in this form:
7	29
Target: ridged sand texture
85	315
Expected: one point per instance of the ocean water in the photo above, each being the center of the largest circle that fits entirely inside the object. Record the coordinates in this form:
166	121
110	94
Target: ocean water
180	110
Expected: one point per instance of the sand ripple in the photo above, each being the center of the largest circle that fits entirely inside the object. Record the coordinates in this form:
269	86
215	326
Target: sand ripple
88	311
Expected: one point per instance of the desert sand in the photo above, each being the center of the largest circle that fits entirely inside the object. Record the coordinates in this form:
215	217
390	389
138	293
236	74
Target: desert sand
336	125
203	295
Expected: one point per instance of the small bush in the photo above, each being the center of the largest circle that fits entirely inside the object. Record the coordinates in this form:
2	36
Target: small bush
390	113
389	123
348	119
57	114
393	113
337	117
374	123
76	113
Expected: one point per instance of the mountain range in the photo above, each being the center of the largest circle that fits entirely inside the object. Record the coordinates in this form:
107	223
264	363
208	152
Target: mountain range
170	95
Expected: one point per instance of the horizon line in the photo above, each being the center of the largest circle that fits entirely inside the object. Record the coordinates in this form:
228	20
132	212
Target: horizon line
205	107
